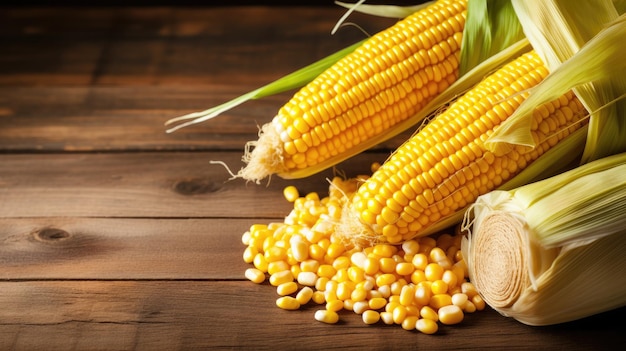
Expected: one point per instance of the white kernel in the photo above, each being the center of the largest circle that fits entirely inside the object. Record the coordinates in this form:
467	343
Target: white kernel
326	316
307	278
255	275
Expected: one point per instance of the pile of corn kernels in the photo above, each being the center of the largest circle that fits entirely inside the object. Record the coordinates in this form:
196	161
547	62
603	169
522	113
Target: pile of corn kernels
417	285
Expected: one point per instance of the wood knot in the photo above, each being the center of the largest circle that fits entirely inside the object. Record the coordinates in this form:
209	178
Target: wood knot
195	186
51	234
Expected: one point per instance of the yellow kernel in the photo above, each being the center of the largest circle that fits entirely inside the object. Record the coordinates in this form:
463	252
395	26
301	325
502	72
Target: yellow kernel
320	283
260	262
326	270
318	297
377	303
326	316
433	272
429	313
371	266
437	255
299	250
291	193
399	314
335	249
418	276
287	288
348	305
407	294
451	314
249	253
344	290
422	295
387	265
317	252
385	279
341	262
281	277
370	317
440	300
420	261
469	307
384	250
396	287
304	295
335	305
405	268
439	287
356	274
409	322
478	301
426	326
255	275
295	270
277	266
287	303
358	294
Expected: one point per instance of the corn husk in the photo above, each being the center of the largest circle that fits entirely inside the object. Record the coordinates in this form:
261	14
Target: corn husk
552	251
583	48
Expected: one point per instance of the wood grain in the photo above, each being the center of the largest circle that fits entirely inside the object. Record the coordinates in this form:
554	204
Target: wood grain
115	235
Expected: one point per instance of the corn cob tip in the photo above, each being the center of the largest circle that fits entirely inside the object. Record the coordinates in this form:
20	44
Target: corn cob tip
352	231
263	157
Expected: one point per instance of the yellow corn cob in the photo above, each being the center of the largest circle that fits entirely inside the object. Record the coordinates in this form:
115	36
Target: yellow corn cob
445	166
388	79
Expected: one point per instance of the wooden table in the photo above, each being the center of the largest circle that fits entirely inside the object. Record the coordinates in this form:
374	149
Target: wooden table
115	235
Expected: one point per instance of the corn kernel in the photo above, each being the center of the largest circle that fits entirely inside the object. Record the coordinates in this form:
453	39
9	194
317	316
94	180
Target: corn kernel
405	268
277	266
281	277
422	295
440	300
255	275
450	314
399	314
469	307
439	287
287	288
420	261
249	253
426	326
336	305
260	262
377	303
326	316
478	301
318	297
433	271
291	193
459	299
386	317
287	303
385	279
407	295
304	295
360	307
429	313
307	278
370	317
387	265
409	322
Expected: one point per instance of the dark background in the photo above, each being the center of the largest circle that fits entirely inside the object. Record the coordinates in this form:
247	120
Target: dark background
84	3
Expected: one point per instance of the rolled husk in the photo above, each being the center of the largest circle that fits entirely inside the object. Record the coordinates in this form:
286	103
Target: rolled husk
552	251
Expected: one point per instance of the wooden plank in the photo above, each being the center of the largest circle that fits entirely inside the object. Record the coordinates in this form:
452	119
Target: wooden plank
121	248
120	118
167	315
147	185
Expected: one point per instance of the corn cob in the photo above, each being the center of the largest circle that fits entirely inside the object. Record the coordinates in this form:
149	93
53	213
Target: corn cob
388	79
445	166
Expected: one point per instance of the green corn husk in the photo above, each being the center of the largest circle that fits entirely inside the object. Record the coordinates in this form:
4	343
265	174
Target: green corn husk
552	251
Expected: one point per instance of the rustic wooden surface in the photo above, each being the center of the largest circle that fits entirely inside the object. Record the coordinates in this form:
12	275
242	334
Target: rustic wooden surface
115	235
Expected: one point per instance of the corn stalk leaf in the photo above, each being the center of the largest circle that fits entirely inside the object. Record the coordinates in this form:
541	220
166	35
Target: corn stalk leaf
291	81
585	53
490	27
391	11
